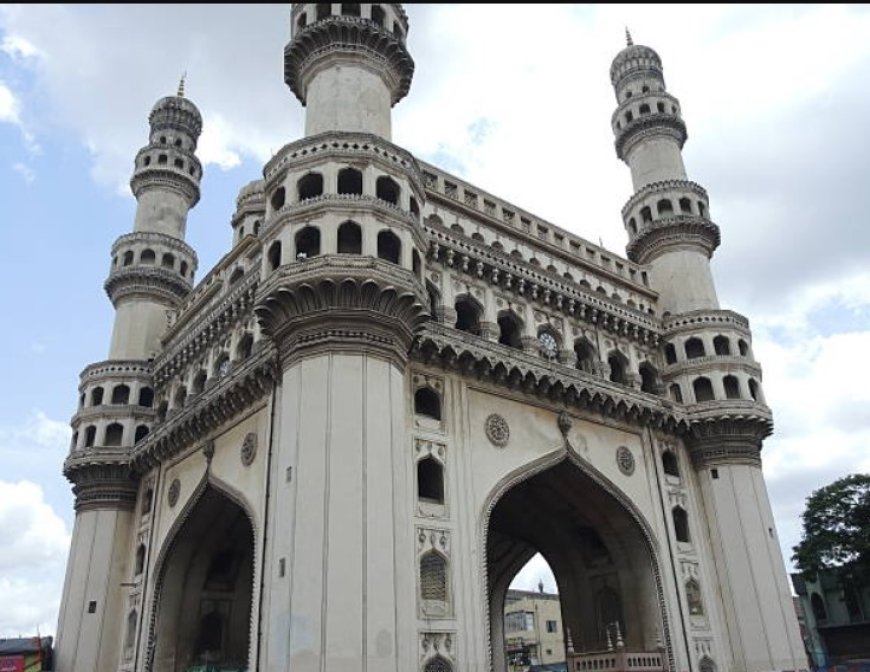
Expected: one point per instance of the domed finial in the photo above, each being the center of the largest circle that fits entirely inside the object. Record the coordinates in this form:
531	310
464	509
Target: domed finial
628	41
180	93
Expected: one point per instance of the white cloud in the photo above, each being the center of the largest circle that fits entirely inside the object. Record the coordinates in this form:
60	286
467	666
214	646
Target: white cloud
17	47
9	105
26	172
35	543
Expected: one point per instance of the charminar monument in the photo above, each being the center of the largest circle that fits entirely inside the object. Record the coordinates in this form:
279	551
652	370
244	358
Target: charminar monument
334	451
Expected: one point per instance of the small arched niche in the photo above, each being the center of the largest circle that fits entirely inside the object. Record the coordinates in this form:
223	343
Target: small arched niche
427	403
350	238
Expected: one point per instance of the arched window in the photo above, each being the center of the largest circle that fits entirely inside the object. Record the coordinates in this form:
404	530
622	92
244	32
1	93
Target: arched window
632	225
670	464
180	397
693	598
676	393
428	403
415	209
274	255
743	348
147	257
307	243
397	29
389	246
278	198
467	315
128	257
350	238
644	89
199	382
646	214
121	394
75	441
648	378
670	353
162	409
146	397
350	181
818	605
178	163
721	345
732	387
310	185
629	117
162	159
323	9
302	21
416	264
245	347
90	436
585	355
256	227
140	560
703	389
433	577
664	207
378	15
644	109
183	269
147	501
702	209
694	348
753	389
681	524
510	329
534	261
660	107
130	636
685	205
617	363
387	189
114	434
438	664
496	245
434	300
430	480
141	433
97	396
457	228
706	665
237	275
350	9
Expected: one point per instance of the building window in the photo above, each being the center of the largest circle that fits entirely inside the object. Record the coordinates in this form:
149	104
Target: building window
389	247
274	255
114	435
670	464
721	345
278	198
430	480
387	189
428	403
703	389
140	560
350	238
694	348
433	577
693	598
519	621
552	626
97	396
510	330
617	363
732	387
350	181
121	394
648	378
310	186
307	243
438	664
681	524
141	433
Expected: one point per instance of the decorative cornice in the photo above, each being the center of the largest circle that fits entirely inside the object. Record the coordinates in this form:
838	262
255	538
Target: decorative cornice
648	126
113	369
348	35
163	285
166	177
704	319
101	479
113	412
340	302
669	233
709	363
663	187
176	113
157	239
727	432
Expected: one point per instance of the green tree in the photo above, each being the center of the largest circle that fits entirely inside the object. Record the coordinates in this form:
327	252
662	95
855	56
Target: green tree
836	528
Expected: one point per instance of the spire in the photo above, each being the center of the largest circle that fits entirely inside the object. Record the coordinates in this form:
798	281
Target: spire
628	41
180	93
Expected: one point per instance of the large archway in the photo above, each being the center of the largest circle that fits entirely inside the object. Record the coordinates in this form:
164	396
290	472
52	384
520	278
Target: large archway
600	555
205	589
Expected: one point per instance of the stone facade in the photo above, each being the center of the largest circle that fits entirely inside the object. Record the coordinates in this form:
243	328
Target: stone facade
336	450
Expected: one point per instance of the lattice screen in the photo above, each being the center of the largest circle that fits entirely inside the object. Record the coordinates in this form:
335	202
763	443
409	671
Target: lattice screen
433	579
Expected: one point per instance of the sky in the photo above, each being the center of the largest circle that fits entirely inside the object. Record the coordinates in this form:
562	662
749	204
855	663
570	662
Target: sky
515	99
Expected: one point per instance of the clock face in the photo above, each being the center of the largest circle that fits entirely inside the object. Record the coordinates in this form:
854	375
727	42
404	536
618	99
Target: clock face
548	344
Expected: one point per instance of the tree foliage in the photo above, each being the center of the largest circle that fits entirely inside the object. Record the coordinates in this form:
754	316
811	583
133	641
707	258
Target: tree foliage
836	527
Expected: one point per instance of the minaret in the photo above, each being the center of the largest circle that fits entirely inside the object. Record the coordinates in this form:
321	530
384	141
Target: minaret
151	272
342	296
709	368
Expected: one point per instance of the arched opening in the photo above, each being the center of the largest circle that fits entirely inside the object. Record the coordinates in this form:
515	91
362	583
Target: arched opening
389	246
510	330
140	560
602	565
147	501
130	635
670	353
732	387
114	434
753	389
676	393
245	347
90	436
632	225
660	107
121	394
97	396
141	433
430	480
428	403
183	269
585	352
237	275
646	214
416	264
378	15
703	389
468	313
644	109
618	364
146	397
199	382
694	348
702	209
665	207
310	185
307	243
148	257
274	255
681	524
206	587
350	238
721	345
387	189
438	664
350	181
434	589
693	598
669	464
278	198
648	378
818	605
686	205
302	21
167	261
743	348
128	257
415	209
180	397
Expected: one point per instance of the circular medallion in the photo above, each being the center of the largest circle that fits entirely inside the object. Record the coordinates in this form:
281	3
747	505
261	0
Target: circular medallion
174	491
497	430
548	345
625	460
249	449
